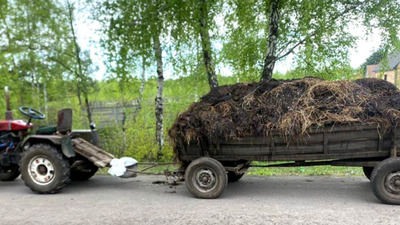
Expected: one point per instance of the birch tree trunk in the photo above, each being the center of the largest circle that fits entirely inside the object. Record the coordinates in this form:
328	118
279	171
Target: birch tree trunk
30	28
270	59
206	45
32	86
123	103
79	72
38	91
78	94
46	109
159	97
142	80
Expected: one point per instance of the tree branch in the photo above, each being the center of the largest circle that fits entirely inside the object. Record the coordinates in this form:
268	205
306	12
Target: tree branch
62	64
316	31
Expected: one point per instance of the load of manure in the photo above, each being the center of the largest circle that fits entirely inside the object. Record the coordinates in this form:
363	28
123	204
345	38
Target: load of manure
290	107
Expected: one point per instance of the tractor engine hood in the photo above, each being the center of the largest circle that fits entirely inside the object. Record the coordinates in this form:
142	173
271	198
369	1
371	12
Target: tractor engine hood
14	125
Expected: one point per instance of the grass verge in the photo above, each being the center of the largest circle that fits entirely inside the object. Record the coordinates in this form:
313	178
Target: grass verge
278	171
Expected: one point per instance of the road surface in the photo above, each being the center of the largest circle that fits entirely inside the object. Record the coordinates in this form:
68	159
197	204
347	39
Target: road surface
252	200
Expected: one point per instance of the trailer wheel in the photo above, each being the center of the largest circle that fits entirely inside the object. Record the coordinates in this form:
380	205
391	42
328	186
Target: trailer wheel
233	177
206	178
385	181
44	169
368	171
9	173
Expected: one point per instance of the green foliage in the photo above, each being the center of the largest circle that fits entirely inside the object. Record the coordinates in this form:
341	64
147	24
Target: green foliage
307	171
316	32
245	43
39	63
375	58
39	58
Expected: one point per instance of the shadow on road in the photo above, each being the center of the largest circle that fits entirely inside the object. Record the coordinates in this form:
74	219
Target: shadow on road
260	188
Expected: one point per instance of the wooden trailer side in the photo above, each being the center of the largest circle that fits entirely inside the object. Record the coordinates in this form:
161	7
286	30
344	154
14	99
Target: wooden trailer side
338	142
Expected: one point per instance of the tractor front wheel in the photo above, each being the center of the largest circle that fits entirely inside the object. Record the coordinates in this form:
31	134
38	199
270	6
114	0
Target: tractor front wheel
9	173
44	169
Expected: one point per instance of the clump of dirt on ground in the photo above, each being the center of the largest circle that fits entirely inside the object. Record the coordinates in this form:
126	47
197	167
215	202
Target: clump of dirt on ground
290	107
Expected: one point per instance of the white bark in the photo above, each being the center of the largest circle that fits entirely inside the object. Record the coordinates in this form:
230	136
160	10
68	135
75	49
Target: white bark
38	91
46	109
270	58
206	45
159	97
142	81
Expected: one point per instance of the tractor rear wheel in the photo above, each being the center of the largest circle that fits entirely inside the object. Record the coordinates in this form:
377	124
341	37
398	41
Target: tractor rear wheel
85	173
44	169
9	173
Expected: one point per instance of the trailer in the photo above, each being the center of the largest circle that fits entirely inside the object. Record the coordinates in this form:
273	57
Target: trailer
209	166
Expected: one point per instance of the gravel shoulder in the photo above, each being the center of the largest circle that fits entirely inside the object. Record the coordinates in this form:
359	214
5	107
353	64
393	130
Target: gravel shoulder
252	200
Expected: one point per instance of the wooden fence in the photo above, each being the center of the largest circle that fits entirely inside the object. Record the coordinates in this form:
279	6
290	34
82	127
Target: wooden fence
109	114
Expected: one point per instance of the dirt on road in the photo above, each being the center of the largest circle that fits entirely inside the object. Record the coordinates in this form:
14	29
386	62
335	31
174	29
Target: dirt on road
252	200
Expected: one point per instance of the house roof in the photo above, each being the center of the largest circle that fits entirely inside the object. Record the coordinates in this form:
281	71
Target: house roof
393	61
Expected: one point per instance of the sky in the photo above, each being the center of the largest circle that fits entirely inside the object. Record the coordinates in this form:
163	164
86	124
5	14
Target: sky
89	39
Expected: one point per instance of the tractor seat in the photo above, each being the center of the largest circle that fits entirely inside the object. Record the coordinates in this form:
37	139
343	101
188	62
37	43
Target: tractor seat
46	130
64	124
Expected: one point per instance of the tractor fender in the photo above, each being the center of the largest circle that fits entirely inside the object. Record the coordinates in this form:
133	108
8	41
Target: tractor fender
63	141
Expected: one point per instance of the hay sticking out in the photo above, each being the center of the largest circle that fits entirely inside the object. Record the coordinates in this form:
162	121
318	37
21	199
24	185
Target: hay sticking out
290	107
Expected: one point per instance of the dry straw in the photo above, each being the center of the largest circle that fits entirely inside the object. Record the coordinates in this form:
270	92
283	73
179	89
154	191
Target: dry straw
291	107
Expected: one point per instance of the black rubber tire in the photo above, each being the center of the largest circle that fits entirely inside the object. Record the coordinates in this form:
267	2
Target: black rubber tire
59	163
368	171
379	178
9	173
208	165
233	177
79	175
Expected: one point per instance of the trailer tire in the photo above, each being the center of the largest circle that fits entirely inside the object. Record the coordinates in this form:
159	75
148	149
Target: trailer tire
79	175
233	177
9	173
385	181
44	169
206	178
368	171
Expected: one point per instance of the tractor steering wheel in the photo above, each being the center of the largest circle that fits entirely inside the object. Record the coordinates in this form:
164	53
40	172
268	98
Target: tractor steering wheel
31	113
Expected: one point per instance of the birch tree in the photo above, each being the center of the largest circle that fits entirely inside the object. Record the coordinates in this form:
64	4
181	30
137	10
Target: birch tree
32	32
81	78
204	22
315	34
192	23
139	26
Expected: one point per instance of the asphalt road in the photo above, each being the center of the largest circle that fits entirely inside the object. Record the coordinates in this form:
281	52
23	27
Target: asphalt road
252	200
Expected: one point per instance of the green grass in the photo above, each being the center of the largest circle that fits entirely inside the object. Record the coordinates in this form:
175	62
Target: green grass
278	171
307	171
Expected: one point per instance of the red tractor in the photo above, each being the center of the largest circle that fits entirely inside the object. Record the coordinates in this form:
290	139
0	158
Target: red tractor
52	155
11	132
